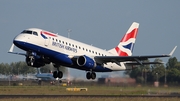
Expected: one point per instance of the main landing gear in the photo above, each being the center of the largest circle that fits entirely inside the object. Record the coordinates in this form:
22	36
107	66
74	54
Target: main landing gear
57	74
91	75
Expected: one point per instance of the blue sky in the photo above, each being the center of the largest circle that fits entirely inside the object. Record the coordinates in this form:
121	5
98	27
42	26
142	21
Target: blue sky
101	23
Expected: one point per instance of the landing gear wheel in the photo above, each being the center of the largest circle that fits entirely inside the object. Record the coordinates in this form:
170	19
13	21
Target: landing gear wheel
28	61
93	75
60	74
39	82
55	74
88	75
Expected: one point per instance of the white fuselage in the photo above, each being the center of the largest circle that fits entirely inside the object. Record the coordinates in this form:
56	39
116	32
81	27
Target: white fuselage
66	46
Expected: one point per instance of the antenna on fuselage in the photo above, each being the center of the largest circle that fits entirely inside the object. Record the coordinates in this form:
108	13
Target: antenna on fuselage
69	30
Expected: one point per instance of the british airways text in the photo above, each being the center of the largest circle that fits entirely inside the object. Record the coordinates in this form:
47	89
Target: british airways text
64	46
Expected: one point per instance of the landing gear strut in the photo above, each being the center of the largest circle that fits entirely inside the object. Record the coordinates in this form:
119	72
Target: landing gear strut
91	75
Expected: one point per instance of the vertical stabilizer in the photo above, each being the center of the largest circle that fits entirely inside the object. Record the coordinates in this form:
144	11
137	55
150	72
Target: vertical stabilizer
126	45
38	71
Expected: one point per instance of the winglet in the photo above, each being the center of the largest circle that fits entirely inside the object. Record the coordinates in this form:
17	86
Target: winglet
173	51
11	49
12	52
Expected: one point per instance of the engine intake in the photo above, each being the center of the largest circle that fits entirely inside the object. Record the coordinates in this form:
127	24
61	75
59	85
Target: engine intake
86	62
34	60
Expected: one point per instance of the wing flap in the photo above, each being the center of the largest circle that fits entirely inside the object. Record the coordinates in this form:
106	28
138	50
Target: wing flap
106	59
144	63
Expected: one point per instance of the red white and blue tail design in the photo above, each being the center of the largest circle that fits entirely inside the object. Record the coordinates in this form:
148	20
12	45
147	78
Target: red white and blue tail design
126	45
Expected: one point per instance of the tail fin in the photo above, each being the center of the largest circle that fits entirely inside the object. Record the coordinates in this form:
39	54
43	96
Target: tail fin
126	45
38	71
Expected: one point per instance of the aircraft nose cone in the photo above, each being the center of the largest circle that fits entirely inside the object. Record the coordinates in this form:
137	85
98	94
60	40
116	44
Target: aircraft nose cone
16	42
19	41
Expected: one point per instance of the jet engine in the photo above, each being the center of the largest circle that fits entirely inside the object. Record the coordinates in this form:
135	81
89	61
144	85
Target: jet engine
86	62
34	60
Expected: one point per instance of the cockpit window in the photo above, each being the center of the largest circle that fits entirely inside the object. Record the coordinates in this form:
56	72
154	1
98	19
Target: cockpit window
26	32
35	33
29	32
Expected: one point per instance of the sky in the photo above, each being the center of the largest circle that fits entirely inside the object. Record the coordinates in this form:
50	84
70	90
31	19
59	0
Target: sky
101	23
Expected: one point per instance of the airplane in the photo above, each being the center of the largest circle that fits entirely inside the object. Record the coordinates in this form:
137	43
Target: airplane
49	77
44	47
44	76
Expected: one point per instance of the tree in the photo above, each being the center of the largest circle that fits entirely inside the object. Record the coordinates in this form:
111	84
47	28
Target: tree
140	73
171	62
173	70
173	75
158	72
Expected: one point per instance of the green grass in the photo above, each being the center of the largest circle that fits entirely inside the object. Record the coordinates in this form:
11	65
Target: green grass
92	90
91	99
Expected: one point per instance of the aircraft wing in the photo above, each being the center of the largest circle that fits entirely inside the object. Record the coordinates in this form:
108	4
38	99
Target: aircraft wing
137	59
11	51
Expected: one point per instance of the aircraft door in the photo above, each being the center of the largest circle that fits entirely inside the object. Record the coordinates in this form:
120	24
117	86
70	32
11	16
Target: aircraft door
46	43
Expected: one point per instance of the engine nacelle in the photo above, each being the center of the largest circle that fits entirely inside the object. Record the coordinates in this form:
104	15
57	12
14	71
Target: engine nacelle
86	62
34	60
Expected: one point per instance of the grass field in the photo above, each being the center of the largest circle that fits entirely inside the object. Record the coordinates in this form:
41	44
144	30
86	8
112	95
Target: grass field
92	90
91	99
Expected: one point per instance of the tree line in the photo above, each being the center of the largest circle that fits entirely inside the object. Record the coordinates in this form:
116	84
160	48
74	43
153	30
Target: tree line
21	68
168	73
